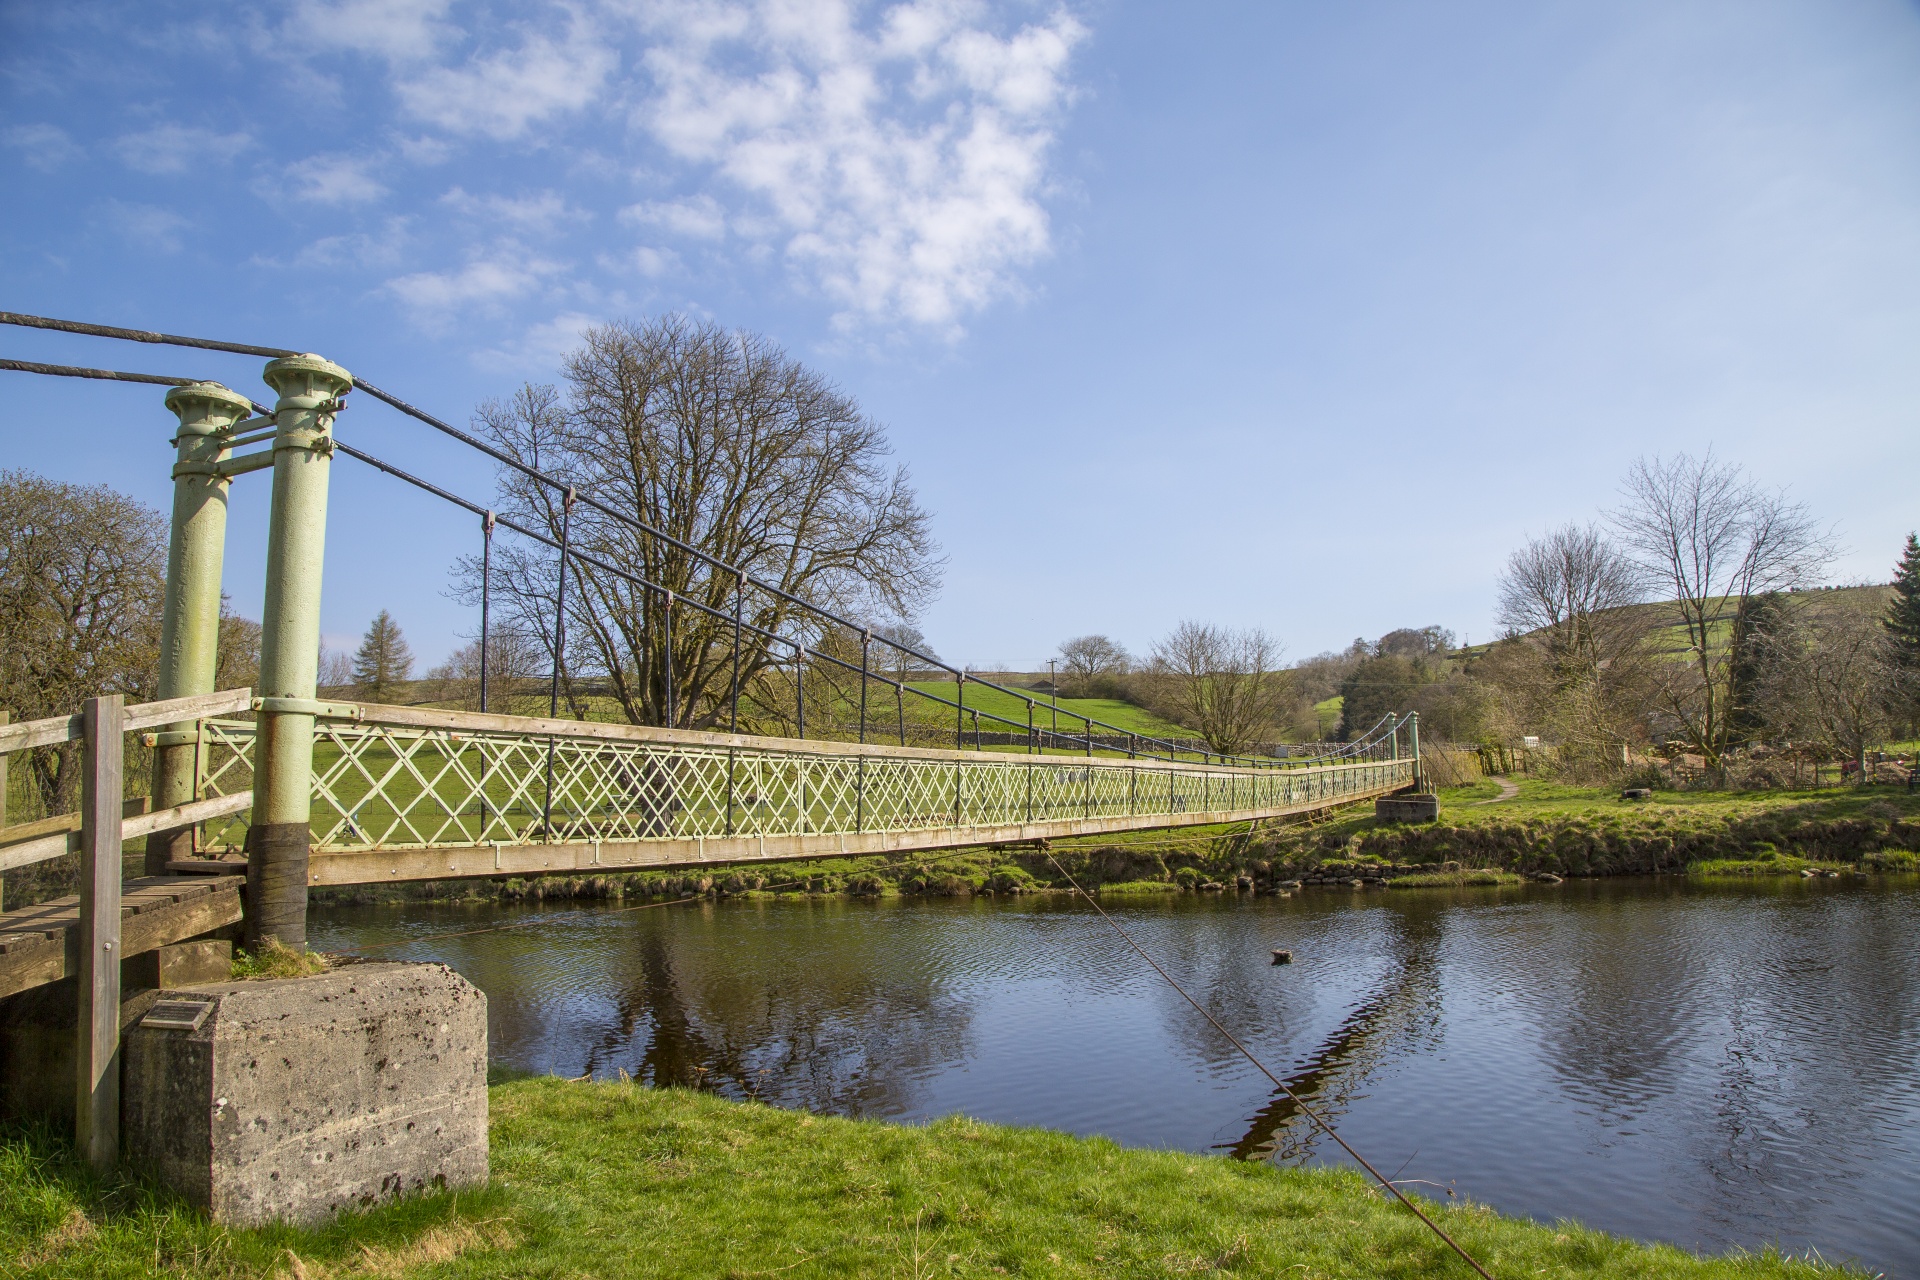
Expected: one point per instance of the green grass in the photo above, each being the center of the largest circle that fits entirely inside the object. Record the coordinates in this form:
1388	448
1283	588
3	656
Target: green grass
613	1180
1124	716
1541	799
1138	887
1454	879
1768	865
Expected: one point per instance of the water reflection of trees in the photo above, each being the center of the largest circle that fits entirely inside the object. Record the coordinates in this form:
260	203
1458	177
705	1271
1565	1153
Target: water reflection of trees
803	1004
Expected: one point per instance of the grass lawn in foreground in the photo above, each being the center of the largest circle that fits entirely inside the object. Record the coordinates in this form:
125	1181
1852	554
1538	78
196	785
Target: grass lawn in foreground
615	1180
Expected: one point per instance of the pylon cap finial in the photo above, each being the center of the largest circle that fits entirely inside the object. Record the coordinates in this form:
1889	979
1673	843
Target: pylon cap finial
208	406
306	377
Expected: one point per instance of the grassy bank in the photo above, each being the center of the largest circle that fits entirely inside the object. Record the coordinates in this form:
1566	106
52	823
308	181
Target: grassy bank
1583	831
616	1180
1566	831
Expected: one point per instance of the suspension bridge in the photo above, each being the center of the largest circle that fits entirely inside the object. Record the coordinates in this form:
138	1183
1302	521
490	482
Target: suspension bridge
282	791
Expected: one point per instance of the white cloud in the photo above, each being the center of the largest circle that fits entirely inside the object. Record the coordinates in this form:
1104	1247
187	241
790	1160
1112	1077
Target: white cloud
507	92
892	157
542	211
44	146
700	218
173	148
145	226
654	263
500	277
360	250
398	30
541	348
902	164
331	179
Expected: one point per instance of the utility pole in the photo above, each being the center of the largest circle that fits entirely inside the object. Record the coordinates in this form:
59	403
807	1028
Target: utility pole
278	841
190	619
1053	695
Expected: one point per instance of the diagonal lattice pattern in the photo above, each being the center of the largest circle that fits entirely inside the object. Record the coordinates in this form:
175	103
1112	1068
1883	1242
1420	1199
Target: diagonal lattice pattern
397	786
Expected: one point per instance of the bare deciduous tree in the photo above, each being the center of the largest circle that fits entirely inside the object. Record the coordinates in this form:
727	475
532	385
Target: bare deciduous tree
1712	539
515	662
82	574
1570	590
1226	683
1090	660
721	440
1573	666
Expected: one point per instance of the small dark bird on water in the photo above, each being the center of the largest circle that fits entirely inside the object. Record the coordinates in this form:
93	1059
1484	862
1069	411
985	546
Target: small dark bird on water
1282	957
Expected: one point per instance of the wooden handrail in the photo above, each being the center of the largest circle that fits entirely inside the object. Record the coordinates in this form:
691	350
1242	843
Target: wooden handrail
147	715
54	837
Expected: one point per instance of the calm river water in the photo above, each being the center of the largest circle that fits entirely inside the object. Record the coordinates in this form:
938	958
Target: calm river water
1716	1066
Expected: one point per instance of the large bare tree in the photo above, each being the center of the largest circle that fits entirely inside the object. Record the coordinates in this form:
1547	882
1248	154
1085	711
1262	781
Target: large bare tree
721	440
1709	537
82	574
1570	590
1573	665
1223	682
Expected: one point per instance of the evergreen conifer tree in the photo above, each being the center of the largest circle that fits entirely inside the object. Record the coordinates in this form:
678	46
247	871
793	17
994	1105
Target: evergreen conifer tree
383	660
1755	624
1903	615
1903	628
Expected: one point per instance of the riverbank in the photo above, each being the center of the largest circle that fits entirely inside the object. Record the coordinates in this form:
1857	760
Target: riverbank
614	1179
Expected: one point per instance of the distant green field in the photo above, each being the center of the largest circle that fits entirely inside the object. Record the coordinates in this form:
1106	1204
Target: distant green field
1123	716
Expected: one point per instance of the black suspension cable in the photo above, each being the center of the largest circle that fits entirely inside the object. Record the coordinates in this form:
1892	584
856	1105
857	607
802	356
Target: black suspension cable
112	375
139	335
1260	1066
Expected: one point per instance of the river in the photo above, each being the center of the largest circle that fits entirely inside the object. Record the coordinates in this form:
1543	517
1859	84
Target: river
1716	1065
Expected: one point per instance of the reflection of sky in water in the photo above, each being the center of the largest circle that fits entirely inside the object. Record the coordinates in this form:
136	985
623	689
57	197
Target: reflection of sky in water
1715	1067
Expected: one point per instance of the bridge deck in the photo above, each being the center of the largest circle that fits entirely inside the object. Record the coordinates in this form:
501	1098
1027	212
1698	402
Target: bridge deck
41	943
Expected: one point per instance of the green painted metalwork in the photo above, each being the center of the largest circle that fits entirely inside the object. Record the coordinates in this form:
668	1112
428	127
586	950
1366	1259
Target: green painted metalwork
309	389
190	620
387	782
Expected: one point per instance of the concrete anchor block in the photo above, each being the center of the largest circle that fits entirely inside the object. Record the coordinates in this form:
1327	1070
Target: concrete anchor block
290	1100
1407	808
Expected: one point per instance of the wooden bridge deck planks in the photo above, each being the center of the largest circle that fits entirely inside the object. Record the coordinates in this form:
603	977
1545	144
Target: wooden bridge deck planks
40	944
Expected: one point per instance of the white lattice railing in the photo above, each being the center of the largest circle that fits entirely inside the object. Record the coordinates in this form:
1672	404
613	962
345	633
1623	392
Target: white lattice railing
398	780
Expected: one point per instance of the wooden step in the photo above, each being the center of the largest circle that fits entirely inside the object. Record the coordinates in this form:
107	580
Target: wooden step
40	944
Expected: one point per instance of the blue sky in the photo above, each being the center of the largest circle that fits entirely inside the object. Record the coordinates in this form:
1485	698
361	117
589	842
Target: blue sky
1299	316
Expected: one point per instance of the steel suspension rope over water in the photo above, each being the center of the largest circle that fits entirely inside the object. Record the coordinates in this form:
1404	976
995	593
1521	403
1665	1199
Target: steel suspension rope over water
1264	1070
1155	747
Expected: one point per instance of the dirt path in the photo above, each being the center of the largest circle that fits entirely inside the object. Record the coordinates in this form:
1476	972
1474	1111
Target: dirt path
1507	792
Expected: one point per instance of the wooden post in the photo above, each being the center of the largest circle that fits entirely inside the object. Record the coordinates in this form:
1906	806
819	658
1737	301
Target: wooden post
97	1031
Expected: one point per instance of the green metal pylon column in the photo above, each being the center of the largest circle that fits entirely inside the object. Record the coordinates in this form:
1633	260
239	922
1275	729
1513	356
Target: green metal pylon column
278	840
1413	728
190	622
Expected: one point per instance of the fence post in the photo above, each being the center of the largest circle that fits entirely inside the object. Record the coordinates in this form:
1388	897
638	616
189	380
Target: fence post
278	841
96	1094
190	619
